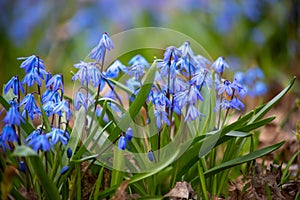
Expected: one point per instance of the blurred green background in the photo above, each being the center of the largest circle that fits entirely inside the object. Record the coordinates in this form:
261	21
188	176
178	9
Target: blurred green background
248	33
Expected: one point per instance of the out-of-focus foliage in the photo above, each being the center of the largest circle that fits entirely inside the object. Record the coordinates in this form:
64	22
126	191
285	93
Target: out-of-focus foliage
256	32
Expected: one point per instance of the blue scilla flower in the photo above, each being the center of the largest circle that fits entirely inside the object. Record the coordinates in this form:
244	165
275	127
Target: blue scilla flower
48	108
187	65
253	74
82	100
172	53
33	134
192	113
226	86
180	98
31	62
178	85
48	77
9	134
168	69
202	78
63	106
113	70
239	77
161	99
30	106
239	88
161	116
136	70
201	61
139	60
13	117
194	95
219	65
186	50
259	88
58	135
14	84
35	75
129	134
3	145
64	169
56	82
150	156
69	152
133	84
122	143
39	142
50	95
22	167
82	73
234	103
104	44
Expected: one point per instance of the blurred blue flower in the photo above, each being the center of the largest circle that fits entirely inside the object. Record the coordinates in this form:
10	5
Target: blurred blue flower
226	86
113	70
129	134
160	99
39	142
69	152
34	75
171	53
219	65
139	60
202	78
58	135
9	134
82	73
98	52
48	108
64	170
13	117
33	135
181	99
168	68
15	84
201	61
63	106
3	145
32	62
150	156
30	106
22	167
239	88
194	95
122	143
161	116
186	50
136	70
258	89
234	103
82	100
55	83
192	113
253	74
177	85
50	95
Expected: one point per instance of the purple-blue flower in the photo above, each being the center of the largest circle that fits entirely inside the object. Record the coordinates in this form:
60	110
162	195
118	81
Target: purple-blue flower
69	152
104	44
61	107
50	95
150	156
139	60
226	86
3	144
161	116
192	113
40	142
234	103
113	70
129	134
30	106
64	169
202	78
172	53
82	100
32	62
35	75
122	143
48	108
168	68
58	135
56	82
9	134
14	84
136	70
13	117
186	50
161	100
219	65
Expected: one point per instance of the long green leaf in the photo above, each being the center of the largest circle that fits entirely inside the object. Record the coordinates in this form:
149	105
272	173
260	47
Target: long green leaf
39	170
271	103
243	159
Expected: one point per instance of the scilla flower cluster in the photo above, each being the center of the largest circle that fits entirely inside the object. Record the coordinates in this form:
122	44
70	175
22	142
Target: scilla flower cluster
177	89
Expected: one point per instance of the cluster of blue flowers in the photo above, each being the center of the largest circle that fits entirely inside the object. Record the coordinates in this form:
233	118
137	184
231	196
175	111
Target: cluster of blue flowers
180	77
25	106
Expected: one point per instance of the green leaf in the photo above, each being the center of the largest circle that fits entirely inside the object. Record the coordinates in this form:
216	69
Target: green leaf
135	107
271	103
256	125
286	170
243	159
23	151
